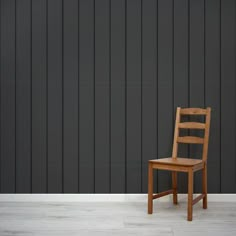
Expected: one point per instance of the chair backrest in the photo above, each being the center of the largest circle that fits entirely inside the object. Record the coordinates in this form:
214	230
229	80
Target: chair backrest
192	125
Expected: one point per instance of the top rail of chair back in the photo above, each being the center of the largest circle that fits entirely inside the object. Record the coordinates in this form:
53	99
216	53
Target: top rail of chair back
194	111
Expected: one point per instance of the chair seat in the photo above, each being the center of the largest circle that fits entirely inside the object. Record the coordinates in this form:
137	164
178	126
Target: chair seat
178	161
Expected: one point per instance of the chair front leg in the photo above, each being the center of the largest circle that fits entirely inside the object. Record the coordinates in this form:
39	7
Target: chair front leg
174	186
150	188
190	195
204	186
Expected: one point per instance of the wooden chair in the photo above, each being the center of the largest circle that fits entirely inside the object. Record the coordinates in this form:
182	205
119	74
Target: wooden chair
177	164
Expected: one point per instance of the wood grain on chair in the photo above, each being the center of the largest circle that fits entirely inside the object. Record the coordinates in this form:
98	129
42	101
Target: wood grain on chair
177	164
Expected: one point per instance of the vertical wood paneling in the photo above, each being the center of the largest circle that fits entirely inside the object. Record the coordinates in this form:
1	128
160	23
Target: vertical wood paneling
86	96
55	70
133	90
8	83
89	90
180	70
70	102
212	73
196	71
228	117
165	86
39	96
149	88
102	96
117	96
23	96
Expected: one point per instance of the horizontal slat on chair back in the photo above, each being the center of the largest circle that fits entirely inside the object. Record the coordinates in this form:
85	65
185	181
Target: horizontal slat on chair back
190	139
193	111
192	125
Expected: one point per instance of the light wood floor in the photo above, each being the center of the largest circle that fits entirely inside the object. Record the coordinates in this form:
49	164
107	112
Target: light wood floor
121	218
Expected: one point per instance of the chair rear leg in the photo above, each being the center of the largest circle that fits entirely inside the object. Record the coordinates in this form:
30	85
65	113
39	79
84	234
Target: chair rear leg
150	188
190	195
204	186
174	186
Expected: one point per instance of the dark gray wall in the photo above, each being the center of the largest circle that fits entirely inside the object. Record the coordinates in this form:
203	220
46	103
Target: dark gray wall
89	91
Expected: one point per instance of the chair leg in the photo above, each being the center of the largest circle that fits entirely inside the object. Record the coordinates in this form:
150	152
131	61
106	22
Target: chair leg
150	188
190	195
204	186
174	186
